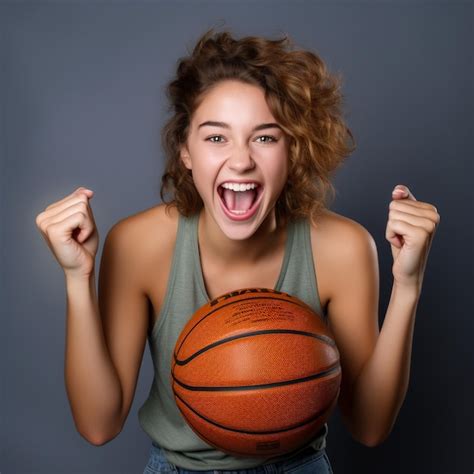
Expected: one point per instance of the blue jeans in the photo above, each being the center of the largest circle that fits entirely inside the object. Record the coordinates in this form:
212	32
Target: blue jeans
307	462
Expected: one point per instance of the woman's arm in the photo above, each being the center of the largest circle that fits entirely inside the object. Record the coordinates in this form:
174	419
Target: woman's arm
106	335
380	389
376	367
92	383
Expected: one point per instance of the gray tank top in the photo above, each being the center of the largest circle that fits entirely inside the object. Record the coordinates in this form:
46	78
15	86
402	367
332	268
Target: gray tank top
159	415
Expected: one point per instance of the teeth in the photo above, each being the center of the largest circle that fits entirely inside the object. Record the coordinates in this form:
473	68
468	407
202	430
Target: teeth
239	187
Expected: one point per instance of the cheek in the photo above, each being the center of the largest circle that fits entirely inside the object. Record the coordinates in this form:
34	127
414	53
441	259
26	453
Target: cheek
279	169
203	178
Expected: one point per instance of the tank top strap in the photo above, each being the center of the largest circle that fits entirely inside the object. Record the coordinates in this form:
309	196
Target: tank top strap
184	291
299	278
286	257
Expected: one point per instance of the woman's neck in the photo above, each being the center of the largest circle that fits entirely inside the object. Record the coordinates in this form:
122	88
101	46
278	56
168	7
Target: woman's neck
229	252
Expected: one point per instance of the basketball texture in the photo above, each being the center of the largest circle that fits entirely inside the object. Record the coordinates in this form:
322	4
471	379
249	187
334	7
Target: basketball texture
256	372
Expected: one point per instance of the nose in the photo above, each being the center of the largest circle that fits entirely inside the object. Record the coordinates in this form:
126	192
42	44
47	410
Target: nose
240	160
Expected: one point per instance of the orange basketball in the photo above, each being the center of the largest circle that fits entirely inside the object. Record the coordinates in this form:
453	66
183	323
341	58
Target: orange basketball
256	373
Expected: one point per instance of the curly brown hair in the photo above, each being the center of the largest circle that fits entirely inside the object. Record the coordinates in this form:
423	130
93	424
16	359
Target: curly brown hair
303	97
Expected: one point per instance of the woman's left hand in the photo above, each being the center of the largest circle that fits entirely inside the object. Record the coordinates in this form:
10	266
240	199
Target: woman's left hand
410	230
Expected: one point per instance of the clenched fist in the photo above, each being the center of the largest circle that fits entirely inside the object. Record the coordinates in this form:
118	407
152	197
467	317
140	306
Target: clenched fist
69	229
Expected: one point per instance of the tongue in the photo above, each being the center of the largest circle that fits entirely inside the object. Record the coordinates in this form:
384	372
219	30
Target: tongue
239	200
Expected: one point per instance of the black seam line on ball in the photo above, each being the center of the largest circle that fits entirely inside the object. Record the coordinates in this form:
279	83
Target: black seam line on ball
293	427
335	368
233	302
322	338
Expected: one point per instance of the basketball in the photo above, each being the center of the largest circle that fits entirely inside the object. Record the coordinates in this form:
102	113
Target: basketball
256	373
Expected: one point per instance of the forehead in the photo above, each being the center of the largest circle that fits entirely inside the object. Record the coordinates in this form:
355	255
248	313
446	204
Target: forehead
232	100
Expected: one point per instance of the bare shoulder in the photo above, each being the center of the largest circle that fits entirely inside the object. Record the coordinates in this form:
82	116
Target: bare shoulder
335	239
151	224
338	231
150	236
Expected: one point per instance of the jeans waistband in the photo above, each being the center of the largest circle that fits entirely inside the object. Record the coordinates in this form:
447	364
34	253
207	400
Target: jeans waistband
308	451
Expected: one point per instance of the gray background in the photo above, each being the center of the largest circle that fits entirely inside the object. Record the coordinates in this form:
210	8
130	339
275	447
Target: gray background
82	102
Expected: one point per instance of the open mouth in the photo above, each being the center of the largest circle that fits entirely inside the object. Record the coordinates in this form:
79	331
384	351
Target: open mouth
239	202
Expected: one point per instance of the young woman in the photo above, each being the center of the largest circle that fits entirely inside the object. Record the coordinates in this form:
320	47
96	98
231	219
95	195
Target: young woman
255	136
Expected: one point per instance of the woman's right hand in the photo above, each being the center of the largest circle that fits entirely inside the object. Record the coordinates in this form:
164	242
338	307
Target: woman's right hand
69	229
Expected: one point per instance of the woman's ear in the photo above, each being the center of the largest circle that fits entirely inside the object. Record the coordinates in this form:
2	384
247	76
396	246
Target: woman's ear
184	153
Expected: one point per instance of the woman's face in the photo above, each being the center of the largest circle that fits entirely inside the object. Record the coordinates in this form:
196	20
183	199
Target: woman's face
225	146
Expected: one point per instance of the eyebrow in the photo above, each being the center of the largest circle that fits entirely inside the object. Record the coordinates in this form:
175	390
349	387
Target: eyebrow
262	126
